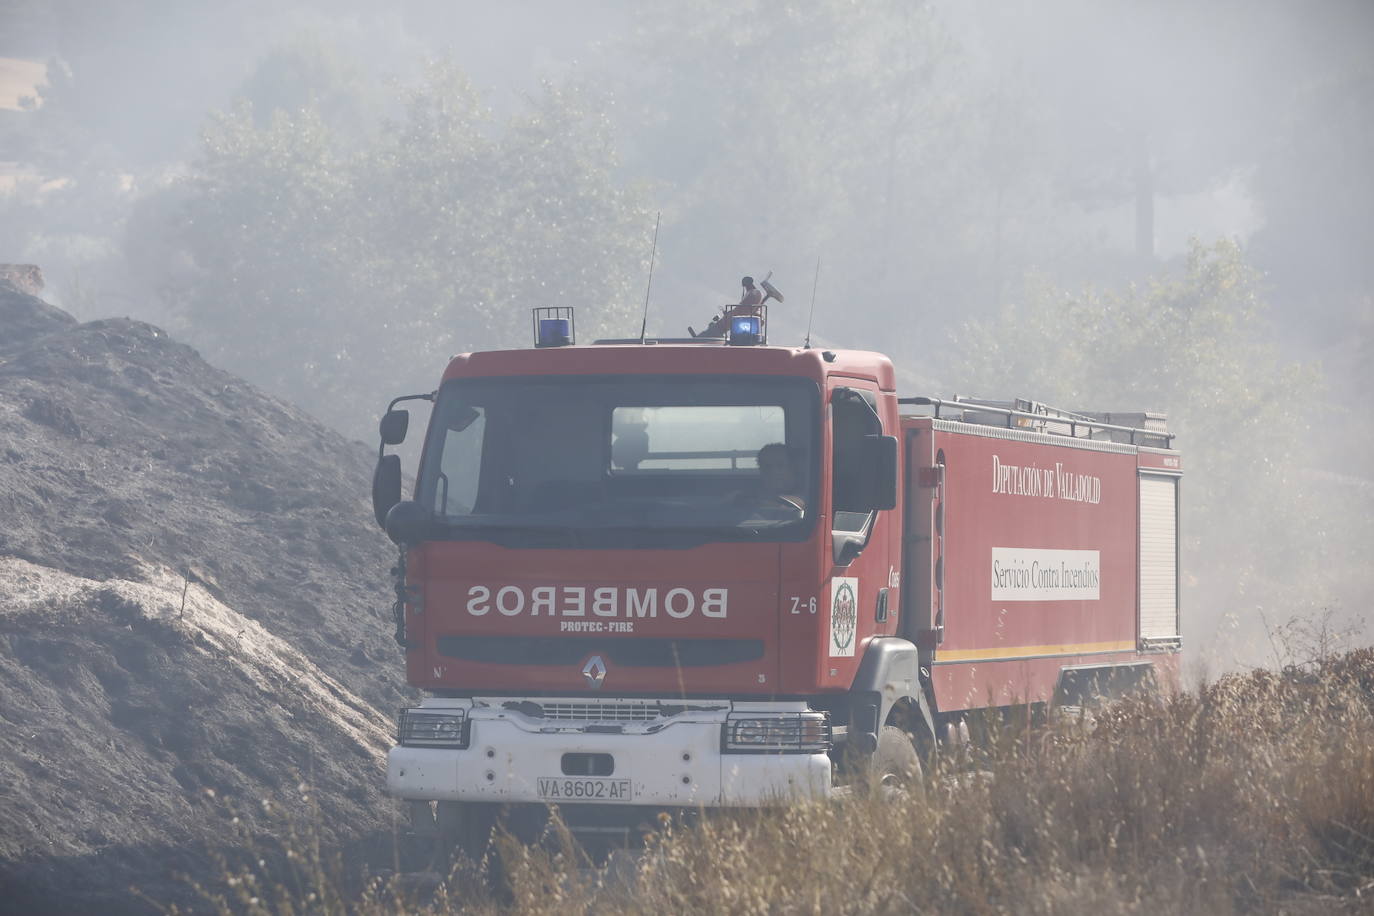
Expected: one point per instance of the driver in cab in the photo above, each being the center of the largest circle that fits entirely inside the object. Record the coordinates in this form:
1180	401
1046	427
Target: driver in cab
780	485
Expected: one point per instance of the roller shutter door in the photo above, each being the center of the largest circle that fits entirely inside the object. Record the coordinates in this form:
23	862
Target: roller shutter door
1158	557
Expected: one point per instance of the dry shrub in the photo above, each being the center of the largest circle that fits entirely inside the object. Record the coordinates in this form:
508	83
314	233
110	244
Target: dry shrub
1253	794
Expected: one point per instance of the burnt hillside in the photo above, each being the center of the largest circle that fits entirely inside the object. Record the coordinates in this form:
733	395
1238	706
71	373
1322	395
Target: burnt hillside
193	612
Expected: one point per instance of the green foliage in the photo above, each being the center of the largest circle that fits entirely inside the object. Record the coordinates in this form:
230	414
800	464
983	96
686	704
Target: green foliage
1201	333
309	71
1197	345
338	269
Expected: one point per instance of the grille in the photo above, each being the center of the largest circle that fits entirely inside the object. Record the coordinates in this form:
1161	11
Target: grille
602	712
630	651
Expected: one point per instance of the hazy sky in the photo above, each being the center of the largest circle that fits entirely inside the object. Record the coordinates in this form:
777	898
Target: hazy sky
1192	76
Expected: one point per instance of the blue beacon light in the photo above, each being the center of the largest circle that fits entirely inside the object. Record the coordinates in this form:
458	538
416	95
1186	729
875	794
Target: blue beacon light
745	330
554	332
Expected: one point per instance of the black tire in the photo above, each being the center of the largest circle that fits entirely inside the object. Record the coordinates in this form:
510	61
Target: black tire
895	764
465	827
467	838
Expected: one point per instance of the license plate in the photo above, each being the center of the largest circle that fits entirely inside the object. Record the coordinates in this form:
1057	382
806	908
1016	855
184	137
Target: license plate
584	788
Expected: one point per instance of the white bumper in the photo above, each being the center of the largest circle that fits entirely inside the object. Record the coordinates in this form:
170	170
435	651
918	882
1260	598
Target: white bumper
673	761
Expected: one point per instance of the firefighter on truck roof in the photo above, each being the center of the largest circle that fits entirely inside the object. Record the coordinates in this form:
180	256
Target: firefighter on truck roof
750	303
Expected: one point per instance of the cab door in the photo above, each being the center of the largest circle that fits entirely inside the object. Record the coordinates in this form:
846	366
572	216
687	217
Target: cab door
860	594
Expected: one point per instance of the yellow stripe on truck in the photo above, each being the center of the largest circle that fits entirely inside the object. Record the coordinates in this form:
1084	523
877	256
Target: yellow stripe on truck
993	654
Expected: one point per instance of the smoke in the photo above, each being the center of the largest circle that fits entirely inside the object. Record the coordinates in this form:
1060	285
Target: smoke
933	156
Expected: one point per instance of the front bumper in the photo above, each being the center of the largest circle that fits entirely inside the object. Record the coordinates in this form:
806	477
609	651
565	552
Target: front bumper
672	761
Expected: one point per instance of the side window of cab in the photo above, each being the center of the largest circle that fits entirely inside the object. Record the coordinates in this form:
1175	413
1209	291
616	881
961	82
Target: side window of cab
863	469
854	417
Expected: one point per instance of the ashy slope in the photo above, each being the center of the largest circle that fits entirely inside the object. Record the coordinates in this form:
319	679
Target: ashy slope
120	449
137	713
193	614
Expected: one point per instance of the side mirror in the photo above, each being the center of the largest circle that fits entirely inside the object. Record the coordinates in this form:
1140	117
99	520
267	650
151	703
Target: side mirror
846	546
386	484
393	426
880	460
408	523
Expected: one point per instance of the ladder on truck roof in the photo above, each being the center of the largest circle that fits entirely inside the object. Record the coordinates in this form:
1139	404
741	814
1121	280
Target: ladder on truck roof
1138	427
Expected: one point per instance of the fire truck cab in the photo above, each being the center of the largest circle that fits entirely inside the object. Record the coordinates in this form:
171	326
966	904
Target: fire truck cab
656	574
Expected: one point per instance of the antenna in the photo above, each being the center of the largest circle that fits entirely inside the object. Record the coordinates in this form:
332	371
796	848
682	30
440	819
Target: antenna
644	326
812	317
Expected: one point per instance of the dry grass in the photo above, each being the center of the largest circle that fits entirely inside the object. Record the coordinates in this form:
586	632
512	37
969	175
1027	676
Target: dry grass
1253	794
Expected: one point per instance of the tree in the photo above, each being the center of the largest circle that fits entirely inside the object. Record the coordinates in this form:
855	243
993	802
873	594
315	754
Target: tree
1316	193
780	133
1137	102
335	269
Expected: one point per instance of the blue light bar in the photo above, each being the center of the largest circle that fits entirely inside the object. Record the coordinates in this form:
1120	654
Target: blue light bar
554	332
745	324
745	330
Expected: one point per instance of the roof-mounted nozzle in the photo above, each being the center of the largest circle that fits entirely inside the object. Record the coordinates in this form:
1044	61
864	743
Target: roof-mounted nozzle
770	291
554	327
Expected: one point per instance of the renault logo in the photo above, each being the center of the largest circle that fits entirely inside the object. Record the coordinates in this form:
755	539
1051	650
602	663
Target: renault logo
595	672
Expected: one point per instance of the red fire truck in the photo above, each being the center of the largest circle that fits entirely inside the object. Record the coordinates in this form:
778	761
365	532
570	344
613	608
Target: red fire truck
666	574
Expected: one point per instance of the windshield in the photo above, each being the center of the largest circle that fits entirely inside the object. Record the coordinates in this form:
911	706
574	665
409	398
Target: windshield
731	455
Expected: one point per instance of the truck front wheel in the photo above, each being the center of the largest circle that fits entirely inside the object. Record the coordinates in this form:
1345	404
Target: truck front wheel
895	763
465	827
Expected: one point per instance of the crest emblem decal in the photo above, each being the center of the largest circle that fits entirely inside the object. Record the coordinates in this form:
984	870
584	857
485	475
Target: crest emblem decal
844	616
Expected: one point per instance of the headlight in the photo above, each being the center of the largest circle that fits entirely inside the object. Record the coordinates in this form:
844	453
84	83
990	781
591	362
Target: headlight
776	733
428	728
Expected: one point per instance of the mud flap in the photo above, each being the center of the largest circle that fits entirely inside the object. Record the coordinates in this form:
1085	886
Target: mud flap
889	673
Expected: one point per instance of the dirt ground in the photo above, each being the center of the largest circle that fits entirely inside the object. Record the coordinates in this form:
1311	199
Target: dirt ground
194	619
